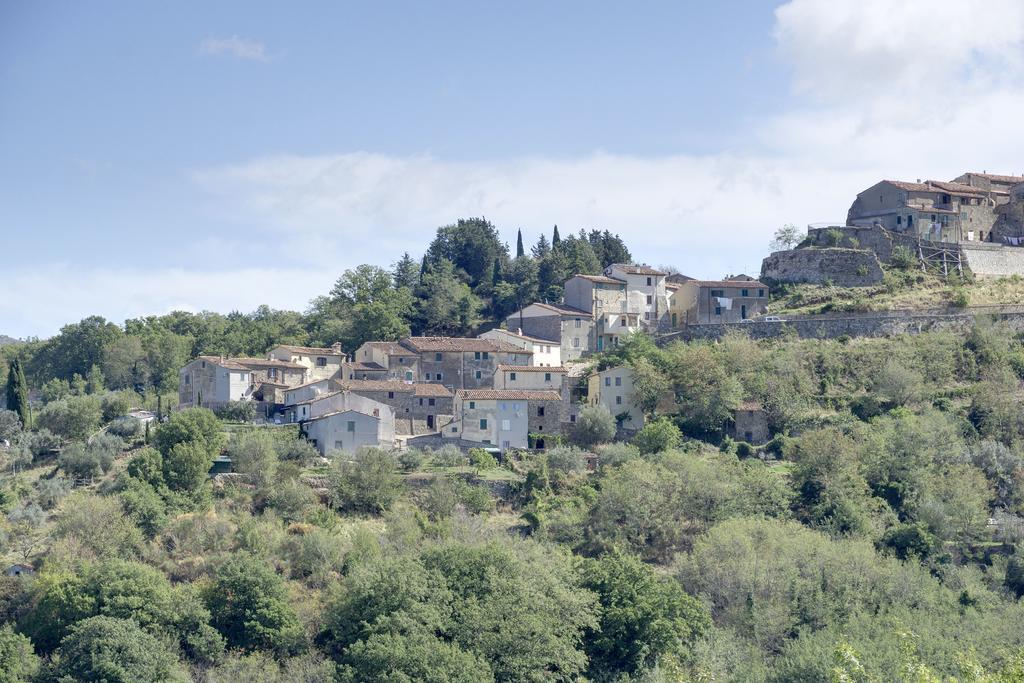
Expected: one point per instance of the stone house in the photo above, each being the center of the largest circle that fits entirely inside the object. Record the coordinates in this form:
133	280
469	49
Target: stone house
750	424
320	363
398	361
332	402
506	418
719	301
214	381
608	301
645	291
419	408
352	370
933	210
461	362
571	328
613	389
989	182
349	430
309	390
546	353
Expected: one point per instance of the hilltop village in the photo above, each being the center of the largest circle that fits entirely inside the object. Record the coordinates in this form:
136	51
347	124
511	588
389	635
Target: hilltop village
522	384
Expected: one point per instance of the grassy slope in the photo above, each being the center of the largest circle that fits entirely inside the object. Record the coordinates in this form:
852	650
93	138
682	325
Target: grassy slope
902	290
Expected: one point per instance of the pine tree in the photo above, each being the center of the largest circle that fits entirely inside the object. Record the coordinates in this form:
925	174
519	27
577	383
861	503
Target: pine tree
542	248
17	392
519	244
555	239
405	273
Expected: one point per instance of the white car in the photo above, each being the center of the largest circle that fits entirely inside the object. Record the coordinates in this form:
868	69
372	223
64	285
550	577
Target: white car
772	319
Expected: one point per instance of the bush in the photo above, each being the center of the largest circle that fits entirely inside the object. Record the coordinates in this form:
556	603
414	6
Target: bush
901	257
10	425
115	405
73	418
237	411
297	450
411	459
125	427
481	460
448	456
49	492
594	425
18	661
115	651
253	454
615	454
369	484
658	436
960	298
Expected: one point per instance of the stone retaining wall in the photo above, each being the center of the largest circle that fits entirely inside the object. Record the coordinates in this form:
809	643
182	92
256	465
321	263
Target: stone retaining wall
993	260
853	325
839	266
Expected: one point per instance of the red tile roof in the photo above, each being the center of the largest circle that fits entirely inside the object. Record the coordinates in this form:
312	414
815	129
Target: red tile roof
601	278
634	269
314	350
460	344
507	395
530	368
999	178
561	309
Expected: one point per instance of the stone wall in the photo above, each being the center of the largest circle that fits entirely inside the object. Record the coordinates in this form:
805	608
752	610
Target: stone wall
885	324
993	260
840	266
875	239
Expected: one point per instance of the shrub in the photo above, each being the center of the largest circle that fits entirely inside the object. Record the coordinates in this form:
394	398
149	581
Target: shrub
253	454
901	257
237	411
297	450
658	436
481	460
411	459
960	298
116	651
73	418
368	484
594	425
115	405
448	456
125	427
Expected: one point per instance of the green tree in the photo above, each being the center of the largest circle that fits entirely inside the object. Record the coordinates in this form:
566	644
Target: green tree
116	651
594	425
74	418
643	616
186	466
254	455
76	349
18	661
446	305
405	273
555	239
415	655
17	392
192	425
370	483
520	252
471	245
786	237
658	436
250	607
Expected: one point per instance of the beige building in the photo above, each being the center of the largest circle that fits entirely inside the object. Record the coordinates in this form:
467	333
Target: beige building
506	418
645	291
349	430
544	352
571	328
463	362
398	361
214	381
719	301
320	363
613	389
933	210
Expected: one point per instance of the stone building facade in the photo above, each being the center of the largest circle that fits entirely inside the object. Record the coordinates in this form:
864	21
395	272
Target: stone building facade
571	328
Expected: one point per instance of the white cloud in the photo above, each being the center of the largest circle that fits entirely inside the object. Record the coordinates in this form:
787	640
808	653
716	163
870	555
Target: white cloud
910	89
70	293
234	46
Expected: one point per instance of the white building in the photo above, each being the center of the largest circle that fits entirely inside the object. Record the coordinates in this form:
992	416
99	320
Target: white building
546	353
320	363
349	430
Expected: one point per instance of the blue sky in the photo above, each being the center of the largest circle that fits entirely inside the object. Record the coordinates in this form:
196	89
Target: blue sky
221	155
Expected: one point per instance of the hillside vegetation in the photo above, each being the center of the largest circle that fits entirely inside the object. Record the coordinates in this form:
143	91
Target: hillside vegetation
874	538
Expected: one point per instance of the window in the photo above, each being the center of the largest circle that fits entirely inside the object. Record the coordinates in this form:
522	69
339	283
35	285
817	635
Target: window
321	362
338	445
271	373
622	321
576	342
618	400
717	292
476	355
607	381
648	284
540	411
391	394
578	323
188	379
203	364
547	376
506	425
483	423
439	378
511	377
430	401
351	427
455	429
428	376
486	355
438	357
402	361
718	310
472	405
408	375
744	292
650	299
572	418
421	401
478	374
899	220
760	293
504	407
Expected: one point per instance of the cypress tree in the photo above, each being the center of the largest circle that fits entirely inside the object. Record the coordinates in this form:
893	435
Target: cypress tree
17	392
519	244
496	272
555	239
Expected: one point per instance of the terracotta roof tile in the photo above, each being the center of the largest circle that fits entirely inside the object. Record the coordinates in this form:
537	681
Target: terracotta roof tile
634	269
357	385
507	395
530	368
601	278
460	344
314	350
561	309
